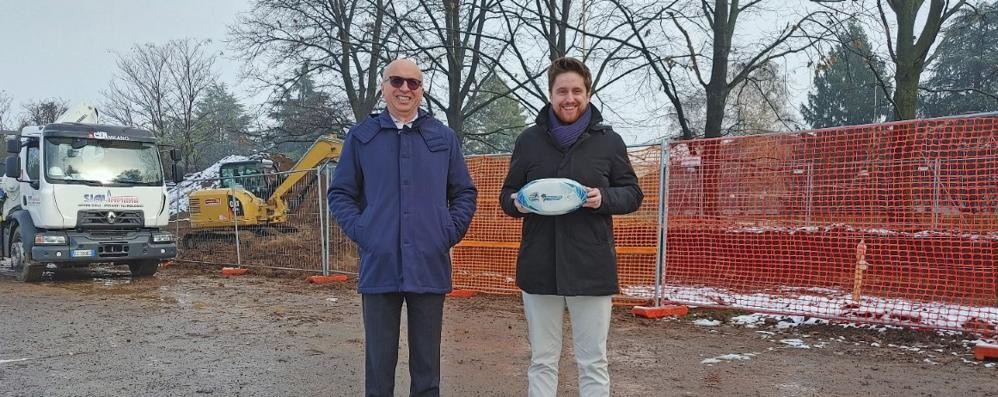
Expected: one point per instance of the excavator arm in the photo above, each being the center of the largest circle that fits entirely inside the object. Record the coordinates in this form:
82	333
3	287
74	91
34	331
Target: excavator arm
323	150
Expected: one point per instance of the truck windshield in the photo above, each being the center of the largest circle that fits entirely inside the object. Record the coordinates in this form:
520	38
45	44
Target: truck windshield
101	162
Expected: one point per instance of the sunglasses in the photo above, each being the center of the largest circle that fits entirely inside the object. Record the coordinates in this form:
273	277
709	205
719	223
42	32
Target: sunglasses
397	81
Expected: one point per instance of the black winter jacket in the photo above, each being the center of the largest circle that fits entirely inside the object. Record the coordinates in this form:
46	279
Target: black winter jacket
571	254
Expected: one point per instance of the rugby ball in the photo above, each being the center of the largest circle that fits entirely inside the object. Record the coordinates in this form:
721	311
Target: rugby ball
552	196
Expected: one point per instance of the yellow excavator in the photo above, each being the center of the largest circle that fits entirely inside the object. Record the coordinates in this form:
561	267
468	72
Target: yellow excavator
254	196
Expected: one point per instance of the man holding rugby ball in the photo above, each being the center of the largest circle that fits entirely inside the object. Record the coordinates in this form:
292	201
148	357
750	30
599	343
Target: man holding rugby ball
569	260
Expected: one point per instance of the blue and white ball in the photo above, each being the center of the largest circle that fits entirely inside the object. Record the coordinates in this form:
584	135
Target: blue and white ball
552	196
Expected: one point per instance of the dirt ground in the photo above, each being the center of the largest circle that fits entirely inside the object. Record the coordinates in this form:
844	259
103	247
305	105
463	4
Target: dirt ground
189	331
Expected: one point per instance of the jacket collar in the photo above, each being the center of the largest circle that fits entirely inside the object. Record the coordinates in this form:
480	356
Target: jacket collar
434	137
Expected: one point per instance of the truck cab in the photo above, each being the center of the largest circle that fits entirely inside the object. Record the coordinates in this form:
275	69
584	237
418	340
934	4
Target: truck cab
77	194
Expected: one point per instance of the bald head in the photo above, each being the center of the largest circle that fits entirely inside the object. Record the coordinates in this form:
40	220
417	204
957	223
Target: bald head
402	66
402	88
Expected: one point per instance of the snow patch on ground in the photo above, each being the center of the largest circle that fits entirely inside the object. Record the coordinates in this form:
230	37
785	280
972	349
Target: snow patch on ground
729	357
704	322
795	343
757	229
824	303
748	320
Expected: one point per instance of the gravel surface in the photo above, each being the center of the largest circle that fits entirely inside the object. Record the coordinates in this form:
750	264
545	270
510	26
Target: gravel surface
189	331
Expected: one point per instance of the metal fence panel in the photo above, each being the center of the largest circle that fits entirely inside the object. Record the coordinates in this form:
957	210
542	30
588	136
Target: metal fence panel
299	240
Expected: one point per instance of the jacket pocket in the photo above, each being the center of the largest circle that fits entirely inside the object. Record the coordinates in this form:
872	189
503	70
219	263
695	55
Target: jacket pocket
449	230
360	230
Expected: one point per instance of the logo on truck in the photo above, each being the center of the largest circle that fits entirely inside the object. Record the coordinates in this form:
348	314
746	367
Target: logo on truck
105	135
110	200
32	200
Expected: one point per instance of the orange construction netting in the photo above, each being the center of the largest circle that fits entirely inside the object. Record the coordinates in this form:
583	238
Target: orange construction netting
486	259
891	223
887	223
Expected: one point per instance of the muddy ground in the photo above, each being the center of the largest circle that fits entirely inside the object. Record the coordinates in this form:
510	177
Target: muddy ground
189	331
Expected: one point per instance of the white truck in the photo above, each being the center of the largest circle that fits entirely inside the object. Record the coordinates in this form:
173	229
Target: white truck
77	193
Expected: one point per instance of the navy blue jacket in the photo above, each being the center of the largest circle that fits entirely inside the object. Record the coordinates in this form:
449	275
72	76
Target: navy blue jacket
405	197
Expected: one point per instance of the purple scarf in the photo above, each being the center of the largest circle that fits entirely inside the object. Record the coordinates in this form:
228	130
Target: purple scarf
565	135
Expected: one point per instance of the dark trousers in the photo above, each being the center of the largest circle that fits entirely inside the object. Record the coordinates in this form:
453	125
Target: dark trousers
382	319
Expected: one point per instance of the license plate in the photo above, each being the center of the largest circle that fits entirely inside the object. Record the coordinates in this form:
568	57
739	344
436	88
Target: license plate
81	253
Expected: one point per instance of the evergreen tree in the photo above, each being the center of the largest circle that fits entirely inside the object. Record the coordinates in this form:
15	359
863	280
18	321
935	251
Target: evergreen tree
965	76
303	114
493	128
846	90
224	121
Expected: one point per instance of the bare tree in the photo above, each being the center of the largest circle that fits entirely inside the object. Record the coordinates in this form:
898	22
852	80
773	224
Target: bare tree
706	31
451	40
525	21
536	32
302	114
460	43
42	112
761	103
708	57
140	91
5	116
548	20
191	75
158	87
546	23
910	52
342	42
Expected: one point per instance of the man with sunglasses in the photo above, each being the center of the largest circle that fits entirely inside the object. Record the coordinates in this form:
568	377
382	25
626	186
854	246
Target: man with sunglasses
402	192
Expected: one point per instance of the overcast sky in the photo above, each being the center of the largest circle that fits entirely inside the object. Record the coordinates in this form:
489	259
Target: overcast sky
65	48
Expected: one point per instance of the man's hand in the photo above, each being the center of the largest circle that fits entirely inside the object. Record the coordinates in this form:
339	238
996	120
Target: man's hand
517	204
594	199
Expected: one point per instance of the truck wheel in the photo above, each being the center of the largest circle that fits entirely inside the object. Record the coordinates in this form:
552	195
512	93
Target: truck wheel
27	270
144	268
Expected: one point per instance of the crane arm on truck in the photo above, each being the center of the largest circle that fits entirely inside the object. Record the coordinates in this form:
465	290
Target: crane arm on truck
81	113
